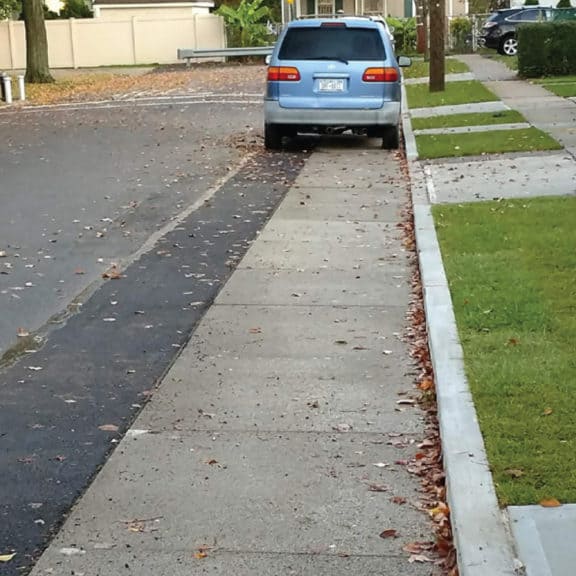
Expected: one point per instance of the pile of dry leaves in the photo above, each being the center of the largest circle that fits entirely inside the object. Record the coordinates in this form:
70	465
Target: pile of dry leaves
427	463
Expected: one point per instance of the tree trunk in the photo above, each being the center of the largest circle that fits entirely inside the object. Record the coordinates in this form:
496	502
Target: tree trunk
437	24
37	70
422	27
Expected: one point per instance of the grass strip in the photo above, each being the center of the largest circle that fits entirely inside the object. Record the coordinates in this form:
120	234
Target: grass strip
472	119
466	92
510	267
421	69
490	142
564	86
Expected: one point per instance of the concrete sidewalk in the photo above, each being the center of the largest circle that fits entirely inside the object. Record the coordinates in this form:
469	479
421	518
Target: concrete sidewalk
270	448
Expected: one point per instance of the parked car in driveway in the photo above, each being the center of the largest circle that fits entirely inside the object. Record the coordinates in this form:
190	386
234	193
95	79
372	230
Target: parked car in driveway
499	30
330	75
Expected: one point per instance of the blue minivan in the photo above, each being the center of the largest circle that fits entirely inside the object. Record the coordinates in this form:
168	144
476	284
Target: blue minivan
328	75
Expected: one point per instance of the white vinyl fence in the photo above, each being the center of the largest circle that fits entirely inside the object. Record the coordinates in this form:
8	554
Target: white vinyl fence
131	41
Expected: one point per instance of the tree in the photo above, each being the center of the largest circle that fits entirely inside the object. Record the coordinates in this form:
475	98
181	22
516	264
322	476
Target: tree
247	22
37	70
437	51
8	8
531	3
76	9
564	4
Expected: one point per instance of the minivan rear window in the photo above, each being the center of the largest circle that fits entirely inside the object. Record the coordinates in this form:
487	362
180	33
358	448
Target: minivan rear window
332	43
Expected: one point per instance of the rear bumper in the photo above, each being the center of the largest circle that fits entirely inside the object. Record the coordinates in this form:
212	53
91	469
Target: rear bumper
388	115
490	41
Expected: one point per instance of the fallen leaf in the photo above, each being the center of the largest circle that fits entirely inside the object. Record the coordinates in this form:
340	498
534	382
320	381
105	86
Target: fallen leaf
408	401
79	271
200	554
342	427
340	342
515	472
255	330
108	428
413	547
72	551
426	384
377	488
7	557
419	558
112	274
398	500
390	533
212	461
547	412
550	503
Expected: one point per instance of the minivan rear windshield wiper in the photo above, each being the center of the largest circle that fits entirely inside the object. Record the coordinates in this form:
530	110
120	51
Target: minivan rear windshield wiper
337	58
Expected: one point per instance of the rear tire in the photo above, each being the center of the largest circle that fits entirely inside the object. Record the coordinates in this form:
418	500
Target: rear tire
272	137
390	138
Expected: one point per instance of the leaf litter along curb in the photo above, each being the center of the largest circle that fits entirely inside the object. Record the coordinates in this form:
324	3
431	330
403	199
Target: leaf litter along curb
427	463
94	84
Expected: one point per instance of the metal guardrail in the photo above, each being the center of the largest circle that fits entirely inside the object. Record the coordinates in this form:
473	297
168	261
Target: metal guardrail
186	54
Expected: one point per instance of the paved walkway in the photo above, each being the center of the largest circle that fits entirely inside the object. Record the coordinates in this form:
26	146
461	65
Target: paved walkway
520	175
541	108
267	448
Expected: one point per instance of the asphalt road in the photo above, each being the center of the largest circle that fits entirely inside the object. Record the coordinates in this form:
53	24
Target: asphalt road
167	191
83	188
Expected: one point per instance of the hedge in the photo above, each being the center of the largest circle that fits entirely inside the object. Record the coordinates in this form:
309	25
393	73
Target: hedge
547	49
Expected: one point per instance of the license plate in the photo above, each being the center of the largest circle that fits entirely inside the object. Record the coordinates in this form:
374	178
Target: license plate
331	85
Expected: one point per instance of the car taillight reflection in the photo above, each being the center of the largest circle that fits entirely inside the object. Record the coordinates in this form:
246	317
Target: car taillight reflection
283	74
380	75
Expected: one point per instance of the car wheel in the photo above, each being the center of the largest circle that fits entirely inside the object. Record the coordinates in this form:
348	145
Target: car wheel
272	137
390	138
509	46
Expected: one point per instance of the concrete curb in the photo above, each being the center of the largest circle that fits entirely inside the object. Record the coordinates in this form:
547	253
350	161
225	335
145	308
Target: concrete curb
472	129
483	542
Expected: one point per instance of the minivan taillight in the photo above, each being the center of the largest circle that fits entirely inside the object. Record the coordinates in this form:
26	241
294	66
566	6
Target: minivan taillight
283	74
380	75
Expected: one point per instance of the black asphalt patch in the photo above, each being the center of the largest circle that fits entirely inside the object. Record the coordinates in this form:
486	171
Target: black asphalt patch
60	406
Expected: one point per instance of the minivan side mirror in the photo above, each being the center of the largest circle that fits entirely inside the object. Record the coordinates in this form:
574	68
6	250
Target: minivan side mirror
268	59
404	61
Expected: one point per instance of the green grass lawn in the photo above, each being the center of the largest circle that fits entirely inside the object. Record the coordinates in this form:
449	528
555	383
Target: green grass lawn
511	266
419	96
421	69
477	143
473	119
564	86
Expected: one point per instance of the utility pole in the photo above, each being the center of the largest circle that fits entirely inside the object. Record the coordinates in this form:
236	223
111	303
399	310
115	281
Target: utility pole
437	27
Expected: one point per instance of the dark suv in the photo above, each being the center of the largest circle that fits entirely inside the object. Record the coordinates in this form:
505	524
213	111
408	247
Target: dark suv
499	31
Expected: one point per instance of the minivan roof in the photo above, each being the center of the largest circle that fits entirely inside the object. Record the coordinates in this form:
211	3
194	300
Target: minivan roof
315	22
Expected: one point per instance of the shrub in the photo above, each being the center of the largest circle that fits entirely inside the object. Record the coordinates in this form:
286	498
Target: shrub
404	34
547	49
564	4
76	9
460	34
